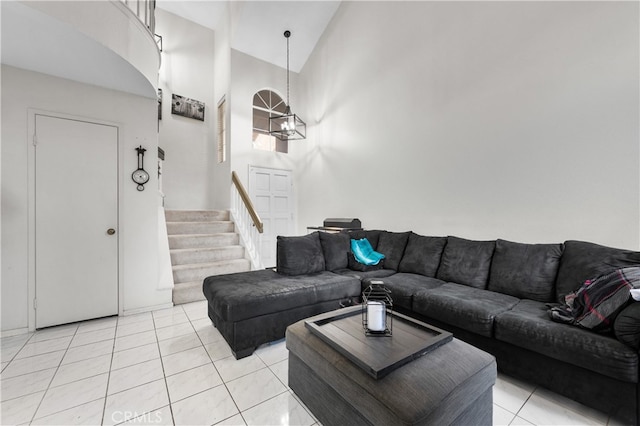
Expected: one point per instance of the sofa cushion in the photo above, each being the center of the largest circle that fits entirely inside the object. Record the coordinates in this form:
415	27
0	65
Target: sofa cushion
527	271
462	306
392	245
299	255
335	248
403	286
528	326
627	326
582	261
422	255
235	297
466	262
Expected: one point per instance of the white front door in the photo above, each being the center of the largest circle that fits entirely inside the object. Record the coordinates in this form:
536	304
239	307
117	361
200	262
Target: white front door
271	191
76	220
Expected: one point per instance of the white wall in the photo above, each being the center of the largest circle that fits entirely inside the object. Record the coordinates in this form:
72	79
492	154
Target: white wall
222	84
187	69
135	116
515	120
250	75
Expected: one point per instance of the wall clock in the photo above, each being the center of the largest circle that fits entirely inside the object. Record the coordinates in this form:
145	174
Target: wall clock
140	176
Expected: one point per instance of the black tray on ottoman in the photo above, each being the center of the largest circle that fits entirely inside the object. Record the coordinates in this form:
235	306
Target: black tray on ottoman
377	355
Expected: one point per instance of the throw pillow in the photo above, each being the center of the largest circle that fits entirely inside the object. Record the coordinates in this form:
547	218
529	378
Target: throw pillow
335	248
466	262
354	265
581	261
422	255
299	255
364	253
526	271
627	326
372	235
392	245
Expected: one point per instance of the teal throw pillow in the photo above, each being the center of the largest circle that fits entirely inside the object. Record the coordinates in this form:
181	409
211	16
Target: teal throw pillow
364	253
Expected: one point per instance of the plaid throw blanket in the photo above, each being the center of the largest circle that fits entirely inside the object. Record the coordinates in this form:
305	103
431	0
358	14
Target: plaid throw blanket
597	303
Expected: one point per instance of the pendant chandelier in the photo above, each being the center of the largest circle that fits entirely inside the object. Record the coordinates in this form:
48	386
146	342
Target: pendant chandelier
287	126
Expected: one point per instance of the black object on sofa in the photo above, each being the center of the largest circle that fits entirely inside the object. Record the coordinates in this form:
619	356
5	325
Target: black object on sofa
492	294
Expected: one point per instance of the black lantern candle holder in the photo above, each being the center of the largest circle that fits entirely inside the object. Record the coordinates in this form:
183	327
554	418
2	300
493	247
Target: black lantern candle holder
377	310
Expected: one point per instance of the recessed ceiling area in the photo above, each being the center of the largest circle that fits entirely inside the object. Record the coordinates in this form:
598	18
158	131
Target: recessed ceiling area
258	26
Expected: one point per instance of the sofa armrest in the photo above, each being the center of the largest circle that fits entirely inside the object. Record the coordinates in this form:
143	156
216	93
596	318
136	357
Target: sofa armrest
627	325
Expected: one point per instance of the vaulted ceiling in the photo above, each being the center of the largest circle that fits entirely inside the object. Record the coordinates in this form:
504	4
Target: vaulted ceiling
258	26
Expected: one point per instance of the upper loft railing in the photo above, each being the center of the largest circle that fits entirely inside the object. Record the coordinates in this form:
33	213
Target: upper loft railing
247	220
145	10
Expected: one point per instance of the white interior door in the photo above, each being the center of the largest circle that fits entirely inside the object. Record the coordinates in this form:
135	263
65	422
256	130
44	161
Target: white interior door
76	220
271	192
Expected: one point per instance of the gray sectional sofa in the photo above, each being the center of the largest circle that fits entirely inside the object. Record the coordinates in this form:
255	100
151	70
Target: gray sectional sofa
492	294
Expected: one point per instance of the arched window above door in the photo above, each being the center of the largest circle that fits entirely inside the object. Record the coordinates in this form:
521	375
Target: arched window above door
266	104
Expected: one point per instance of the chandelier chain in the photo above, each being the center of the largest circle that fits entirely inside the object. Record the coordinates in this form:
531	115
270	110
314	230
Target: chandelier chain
288	103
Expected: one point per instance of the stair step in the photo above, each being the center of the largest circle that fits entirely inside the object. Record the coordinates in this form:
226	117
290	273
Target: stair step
187	292
199	271
201	243
196	215
203	240
213	227
206	255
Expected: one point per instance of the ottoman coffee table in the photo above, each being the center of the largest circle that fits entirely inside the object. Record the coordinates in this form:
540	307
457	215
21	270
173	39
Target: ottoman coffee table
451	384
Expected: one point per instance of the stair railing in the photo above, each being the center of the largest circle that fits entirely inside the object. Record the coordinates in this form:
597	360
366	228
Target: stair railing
145	10
247	221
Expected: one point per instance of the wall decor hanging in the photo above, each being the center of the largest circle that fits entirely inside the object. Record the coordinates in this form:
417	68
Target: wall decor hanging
186	107
140	175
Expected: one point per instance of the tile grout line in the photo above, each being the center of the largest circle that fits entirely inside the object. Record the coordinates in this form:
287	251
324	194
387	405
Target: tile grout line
60	365
523	404
224	383
106	390
164	372
33	416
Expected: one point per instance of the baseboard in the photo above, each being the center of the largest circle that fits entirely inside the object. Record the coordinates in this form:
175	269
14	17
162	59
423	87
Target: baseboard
147	309
14	332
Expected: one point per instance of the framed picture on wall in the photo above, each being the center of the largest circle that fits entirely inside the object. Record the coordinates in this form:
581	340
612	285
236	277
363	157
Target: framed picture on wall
186	107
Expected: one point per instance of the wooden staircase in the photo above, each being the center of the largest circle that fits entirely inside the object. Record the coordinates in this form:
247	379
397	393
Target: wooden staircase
201	243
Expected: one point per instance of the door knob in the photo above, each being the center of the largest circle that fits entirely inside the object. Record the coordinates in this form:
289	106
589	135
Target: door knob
111	231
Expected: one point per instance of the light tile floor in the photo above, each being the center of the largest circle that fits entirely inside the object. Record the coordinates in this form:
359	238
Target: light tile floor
171	366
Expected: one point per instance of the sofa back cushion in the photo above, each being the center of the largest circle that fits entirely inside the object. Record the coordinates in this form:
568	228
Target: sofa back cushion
392	245
336	248
422	255
583	261
527	271
466	262
299	255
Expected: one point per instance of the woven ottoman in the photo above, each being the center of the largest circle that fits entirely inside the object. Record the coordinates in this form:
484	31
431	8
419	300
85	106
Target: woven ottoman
452	385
